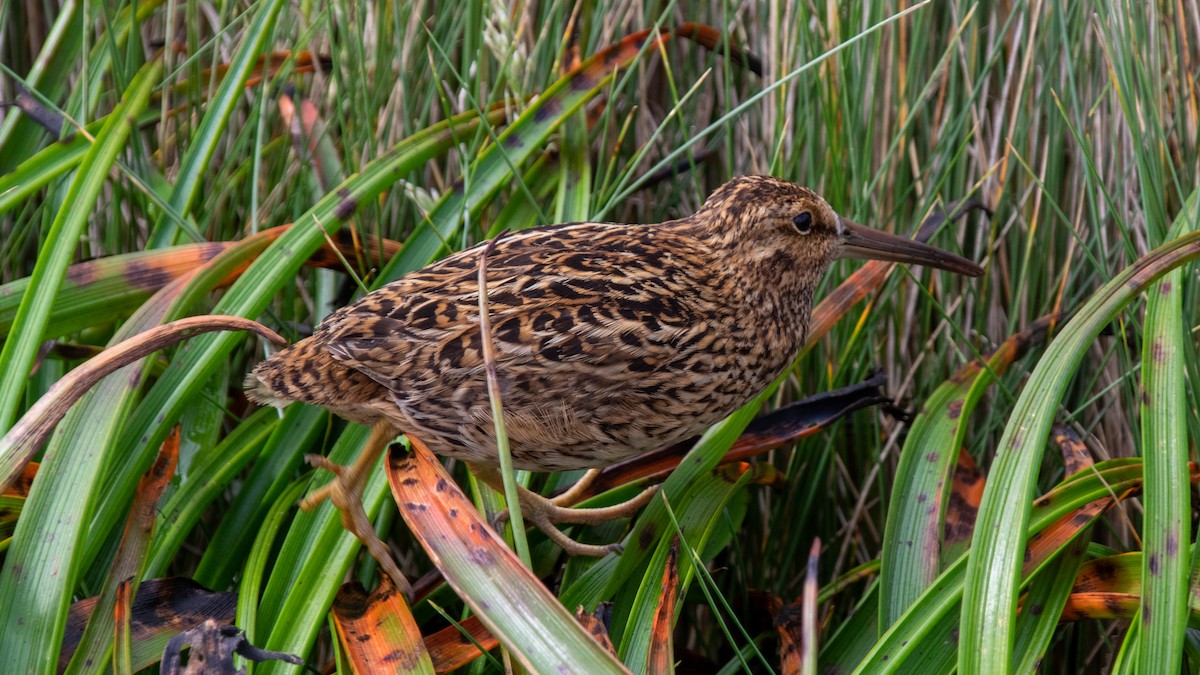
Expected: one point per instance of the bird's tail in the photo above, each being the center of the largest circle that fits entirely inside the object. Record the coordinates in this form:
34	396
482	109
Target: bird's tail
275	381
307	372
258	391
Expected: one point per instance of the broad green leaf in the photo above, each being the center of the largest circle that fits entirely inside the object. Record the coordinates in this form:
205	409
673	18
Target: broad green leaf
40	569
253	291
208	135
990	599
911	557
923	639
1166	527
29	325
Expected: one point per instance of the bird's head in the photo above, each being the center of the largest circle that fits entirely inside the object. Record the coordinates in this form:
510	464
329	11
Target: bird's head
781	225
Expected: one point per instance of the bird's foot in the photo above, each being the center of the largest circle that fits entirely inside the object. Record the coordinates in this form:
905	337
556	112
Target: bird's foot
345	493
545	513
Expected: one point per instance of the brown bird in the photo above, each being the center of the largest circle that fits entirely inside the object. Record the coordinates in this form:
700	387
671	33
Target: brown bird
610	340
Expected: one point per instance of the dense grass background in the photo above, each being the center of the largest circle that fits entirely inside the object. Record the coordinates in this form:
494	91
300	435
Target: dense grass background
1075	122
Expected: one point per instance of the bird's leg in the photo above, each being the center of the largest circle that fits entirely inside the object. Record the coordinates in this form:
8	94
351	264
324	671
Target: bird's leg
545	513
345	493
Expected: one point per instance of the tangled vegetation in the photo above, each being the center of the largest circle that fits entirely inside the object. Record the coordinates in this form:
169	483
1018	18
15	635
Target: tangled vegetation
1001	478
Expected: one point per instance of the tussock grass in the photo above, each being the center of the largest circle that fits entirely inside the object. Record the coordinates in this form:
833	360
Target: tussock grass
1076	123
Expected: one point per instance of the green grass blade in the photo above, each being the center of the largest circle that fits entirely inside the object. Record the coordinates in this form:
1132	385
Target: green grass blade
1166	529
210	133
517	213
1126	661
117	489
184	507
250	590
911	557
575	172
33	174
102	62
624	191
519	141
56	58
29	326
299	431
253	291
990	599
50	545
854	638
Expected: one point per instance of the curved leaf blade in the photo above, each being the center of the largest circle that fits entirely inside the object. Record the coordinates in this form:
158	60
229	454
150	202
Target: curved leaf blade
514	604
993	574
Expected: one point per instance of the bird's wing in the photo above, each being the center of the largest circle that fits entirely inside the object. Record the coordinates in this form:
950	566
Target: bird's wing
600	300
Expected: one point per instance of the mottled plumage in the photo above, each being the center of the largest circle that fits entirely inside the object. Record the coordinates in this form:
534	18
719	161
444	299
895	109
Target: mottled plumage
611	340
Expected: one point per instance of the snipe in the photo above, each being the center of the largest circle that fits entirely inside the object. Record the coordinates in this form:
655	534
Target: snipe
611	340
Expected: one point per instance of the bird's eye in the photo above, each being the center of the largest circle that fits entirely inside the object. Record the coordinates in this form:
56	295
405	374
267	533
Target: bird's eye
803	222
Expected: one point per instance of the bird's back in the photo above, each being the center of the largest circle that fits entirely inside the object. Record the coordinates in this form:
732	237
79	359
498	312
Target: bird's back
611	340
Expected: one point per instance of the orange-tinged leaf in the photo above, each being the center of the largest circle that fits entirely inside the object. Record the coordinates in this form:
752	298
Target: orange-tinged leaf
966	491
596	623
1082	606
377	630
1076	456
268	65
121	583
151	270
1043	544
123	628
152	485
347	243
762	610
20	487
788	625
1110	574
712	39
147	270
512	603
453	647
1109	588
662	650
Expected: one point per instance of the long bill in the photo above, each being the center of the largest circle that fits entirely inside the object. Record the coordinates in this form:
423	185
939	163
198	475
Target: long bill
863	242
